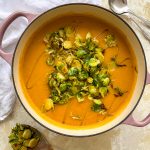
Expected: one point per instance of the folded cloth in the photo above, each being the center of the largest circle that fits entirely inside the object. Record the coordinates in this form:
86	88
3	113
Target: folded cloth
7	94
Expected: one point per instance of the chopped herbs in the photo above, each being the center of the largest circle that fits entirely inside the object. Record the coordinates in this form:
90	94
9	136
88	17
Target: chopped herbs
98	107
23	137
78	69
110	41
118	92
116	64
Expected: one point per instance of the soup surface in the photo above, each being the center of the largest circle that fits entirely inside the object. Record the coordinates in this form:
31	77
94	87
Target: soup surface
117	61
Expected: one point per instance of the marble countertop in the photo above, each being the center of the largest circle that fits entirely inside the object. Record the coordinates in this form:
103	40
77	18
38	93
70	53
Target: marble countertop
122	137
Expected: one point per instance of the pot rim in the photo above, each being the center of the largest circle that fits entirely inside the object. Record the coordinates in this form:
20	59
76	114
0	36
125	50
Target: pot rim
108	11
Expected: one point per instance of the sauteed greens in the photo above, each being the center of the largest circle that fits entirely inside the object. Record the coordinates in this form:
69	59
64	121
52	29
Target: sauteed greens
24	137
78	68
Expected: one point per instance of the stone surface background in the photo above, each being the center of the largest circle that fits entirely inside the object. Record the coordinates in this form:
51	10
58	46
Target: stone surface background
122	137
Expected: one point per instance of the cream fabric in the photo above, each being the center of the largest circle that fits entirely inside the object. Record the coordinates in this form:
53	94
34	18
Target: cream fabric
7	95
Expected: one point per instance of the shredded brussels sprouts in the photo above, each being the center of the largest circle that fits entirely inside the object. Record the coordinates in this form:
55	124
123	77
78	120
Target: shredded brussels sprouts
24	137
78	68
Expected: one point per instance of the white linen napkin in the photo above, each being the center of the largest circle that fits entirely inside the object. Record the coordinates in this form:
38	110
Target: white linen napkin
7	93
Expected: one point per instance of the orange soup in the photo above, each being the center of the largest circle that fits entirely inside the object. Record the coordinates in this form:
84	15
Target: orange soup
82	74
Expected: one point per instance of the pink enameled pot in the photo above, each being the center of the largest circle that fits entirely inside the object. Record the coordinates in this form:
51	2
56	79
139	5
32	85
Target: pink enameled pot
35	22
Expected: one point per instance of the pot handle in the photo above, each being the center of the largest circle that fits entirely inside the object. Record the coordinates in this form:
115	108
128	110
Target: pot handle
131	121
8	56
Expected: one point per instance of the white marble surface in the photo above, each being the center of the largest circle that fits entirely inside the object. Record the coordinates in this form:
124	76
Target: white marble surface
122	137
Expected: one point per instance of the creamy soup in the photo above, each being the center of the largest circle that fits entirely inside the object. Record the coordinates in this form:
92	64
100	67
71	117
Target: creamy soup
91	110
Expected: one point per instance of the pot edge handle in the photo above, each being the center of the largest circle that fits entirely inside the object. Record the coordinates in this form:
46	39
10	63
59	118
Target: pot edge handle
8	56
131	121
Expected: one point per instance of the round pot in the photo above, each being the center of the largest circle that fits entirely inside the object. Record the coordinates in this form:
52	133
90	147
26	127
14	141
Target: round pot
35	22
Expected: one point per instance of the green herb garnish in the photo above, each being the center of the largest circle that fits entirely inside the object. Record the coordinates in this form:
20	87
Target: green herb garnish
24	137
117	64
98	107
110	40
119	92
78	68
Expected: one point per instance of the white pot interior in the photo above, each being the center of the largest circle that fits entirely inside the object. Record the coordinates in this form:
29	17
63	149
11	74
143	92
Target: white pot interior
111	19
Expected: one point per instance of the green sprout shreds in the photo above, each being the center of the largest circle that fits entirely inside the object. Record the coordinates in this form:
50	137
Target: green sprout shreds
24	137
78	68
110	40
